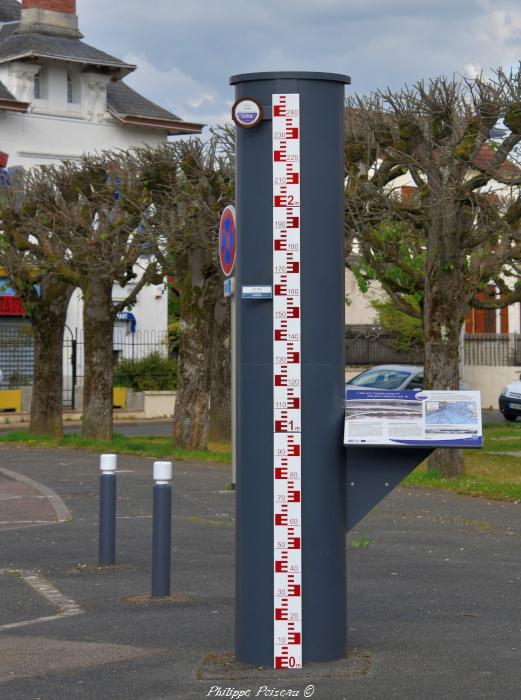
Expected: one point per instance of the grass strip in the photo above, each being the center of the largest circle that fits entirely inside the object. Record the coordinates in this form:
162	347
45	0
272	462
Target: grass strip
156	447
502	437
469	485
487	474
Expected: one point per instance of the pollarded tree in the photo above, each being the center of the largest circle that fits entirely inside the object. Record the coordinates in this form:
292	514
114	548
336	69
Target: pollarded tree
28	254
103	231
190	183
433	205
220	380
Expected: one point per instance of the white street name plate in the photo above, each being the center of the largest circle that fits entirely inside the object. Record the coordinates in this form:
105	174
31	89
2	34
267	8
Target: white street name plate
257	292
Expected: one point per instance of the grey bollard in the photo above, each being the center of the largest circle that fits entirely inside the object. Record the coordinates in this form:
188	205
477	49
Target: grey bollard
161	529
107	511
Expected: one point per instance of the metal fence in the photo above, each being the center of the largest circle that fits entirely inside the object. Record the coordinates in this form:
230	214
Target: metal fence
369	346
493	349
17	355
126	346
365	346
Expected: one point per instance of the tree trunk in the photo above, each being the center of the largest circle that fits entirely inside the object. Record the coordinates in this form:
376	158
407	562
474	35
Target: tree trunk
192	414
220	378
98	325
443	320
48	322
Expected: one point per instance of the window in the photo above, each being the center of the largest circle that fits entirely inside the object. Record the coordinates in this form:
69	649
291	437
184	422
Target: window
489	321
38	86
417	383
70	89
489	314
73	88
380	379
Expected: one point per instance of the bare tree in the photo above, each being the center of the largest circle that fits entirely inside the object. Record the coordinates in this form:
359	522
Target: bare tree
99	220
191	182
433	206
103	231
28	258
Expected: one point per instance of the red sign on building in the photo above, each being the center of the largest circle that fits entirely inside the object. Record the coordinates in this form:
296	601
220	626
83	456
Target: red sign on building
11	306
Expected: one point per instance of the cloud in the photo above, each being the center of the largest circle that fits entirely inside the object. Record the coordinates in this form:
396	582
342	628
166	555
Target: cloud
172	88
472	70
186	52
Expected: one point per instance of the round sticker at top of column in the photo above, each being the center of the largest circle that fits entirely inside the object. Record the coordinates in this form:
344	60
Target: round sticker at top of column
247	112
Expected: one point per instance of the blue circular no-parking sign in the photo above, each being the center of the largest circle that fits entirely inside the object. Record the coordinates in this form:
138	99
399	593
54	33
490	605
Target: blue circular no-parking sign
227	240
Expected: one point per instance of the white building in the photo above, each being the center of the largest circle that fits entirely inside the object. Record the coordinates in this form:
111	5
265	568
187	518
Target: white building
59	98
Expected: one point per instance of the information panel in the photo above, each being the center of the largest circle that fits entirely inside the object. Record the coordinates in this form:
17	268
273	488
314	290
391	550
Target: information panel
416	418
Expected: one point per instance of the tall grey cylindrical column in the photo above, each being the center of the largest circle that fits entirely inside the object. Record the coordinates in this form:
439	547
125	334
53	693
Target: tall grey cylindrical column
324	618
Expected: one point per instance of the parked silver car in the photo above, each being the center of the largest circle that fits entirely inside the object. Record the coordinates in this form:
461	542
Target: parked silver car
388	377
510	401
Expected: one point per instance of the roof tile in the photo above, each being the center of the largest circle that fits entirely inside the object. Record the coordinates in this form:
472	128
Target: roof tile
485	157
122	101
127	102
10	10
13	45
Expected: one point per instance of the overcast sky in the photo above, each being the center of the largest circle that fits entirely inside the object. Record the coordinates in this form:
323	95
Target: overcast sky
187	50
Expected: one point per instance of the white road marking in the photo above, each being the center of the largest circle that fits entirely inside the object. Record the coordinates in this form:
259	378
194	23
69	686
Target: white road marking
19	498
62	512
66	606
25	522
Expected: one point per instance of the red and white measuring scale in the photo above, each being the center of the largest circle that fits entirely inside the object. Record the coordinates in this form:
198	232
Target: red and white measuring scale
287	541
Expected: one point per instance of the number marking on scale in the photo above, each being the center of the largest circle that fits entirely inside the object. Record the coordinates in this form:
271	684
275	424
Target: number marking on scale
287	403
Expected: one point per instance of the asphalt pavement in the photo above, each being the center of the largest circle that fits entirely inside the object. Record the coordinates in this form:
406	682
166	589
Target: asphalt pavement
434	591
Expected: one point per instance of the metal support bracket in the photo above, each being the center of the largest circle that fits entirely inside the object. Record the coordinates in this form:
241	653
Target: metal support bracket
372	473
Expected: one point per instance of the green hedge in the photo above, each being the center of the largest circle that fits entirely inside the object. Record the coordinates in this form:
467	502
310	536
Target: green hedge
152	373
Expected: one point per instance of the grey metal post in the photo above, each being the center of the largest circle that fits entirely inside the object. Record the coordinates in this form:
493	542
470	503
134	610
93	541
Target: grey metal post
234	303
107	510
324	617
161	529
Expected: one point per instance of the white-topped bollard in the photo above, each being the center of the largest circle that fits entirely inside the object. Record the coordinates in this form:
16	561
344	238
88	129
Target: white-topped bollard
162	472
161	529
108	463
107	511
